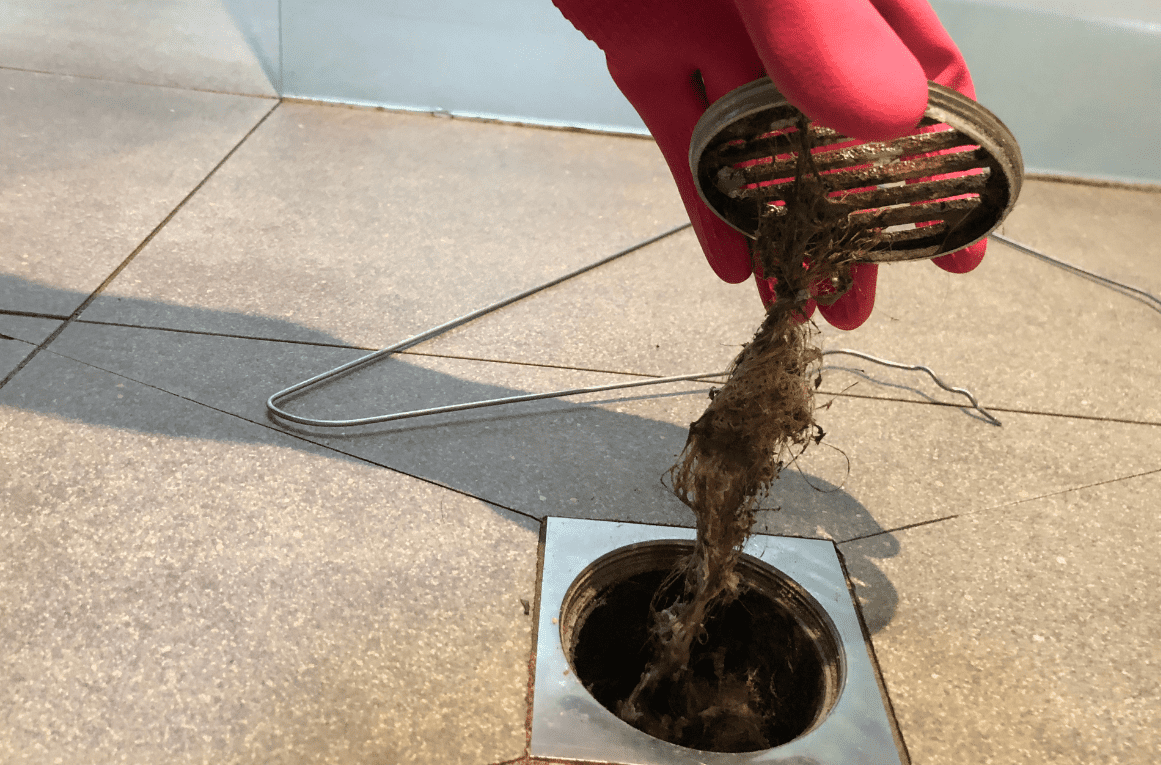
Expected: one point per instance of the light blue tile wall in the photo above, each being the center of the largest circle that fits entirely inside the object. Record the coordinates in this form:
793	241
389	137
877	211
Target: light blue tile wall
1082	93
515	60
258	21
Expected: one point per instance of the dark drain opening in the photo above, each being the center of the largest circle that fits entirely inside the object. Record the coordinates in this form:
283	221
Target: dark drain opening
767	673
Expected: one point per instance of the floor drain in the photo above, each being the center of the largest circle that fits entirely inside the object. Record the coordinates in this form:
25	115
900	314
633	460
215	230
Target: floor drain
773	648
796	628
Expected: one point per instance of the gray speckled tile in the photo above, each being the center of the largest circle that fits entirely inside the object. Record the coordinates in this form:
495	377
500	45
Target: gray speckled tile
179	43
19	336
89	168
603	457
1113	231
370	226
1029	634
1017	332
30	329
660	310
911	463
179	585
12	352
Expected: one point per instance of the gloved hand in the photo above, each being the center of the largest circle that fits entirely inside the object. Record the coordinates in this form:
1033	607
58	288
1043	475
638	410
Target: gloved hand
858	66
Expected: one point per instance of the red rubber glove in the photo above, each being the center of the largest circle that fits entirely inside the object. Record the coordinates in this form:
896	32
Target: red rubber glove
858	66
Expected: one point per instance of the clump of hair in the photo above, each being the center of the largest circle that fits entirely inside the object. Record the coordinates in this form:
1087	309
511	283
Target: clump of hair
757	422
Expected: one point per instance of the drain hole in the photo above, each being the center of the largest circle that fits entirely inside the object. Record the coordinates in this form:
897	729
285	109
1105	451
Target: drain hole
768	671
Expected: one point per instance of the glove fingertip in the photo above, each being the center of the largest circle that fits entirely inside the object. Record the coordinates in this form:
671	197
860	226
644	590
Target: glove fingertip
844	316
726	251
853	309
962	261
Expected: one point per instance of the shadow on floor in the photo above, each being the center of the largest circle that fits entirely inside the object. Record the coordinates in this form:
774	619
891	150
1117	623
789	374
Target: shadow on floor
599	459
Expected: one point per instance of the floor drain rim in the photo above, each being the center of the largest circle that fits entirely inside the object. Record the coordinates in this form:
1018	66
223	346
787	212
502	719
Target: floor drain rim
594	583
568	723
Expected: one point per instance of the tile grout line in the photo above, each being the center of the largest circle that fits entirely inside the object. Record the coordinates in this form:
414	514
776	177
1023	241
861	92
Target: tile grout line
32	314
137	83
1092	485
530	687
1004	505
880	677
898	528
144	243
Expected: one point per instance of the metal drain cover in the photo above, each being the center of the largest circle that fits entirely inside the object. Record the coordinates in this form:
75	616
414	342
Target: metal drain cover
568	723
943	187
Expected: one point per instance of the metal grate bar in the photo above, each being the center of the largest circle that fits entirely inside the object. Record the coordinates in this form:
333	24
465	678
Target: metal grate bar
916	192
924	191
734	182
950	211
784	147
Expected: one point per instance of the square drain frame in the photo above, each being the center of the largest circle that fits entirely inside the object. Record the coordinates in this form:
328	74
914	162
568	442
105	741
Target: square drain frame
568	723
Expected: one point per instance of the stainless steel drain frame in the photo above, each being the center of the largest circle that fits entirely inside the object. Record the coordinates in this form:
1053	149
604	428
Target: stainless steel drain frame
568	723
